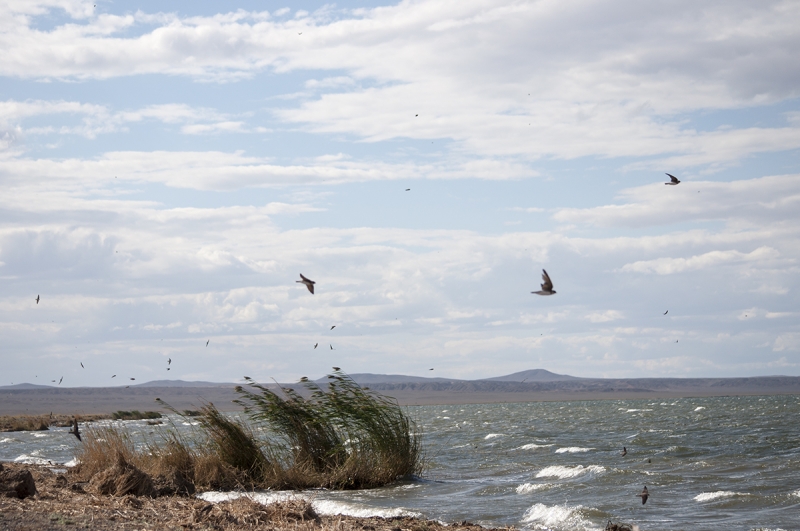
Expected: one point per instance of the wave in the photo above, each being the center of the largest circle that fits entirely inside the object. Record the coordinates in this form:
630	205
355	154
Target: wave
709	496
796	493
493	435
5	440
533	446
699	408
633	410
573	449
532	487
32	460
563	472
556	517
324	507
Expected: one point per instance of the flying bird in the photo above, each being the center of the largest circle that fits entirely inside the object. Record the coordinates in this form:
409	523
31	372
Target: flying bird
316	345
308	282
673	180
547	285
665	313
624	451
336	369
644	495
430	369
82	367
167	368
114	376
408	189
331	347
207	342
334	326
37	299
59	381
133	378
75	431
169	360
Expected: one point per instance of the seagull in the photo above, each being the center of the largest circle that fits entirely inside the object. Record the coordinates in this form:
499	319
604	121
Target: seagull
37	299
309	283
316	345
207	342
74	431
665	313
673	180
547	285
644	495
624	451
82	367
334	326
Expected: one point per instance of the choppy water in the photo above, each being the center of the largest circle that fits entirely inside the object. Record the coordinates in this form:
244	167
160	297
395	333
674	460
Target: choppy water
709	464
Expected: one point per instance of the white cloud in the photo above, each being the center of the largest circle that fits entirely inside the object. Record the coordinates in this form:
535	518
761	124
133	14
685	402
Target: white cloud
668	266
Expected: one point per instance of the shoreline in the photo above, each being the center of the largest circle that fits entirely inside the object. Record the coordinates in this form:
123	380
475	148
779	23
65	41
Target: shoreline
63	504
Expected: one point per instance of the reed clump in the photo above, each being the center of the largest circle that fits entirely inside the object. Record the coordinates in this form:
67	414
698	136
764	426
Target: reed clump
135	415
343	437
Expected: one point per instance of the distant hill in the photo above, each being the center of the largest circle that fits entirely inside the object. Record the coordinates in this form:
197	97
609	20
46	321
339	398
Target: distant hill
369	378
533	375
181	383
26	386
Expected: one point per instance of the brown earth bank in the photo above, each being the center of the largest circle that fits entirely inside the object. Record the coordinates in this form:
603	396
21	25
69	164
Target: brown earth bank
61	503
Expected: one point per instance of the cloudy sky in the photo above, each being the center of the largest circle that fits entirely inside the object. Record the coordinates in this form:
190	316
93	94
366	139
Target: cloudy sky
168	169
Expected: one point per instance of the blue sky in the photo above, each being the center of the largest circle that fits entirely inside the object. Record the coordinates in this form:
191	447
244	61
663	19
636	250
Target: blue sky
168	170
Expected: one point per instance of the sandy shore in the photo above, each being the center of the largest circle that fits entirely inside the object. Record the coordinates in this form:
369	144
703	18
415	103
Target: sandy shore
63	504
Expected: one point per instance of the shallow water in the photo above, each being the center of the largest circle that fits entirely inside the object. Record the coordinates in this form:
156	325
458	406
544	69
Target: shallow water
709	464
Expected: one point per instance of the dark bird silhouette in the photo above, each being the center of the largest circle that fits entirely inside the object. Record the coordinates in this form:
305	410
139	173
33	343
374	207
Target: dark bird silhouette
672	180
665	313
316	345
114	376
75	431
624	451
167	368
334	326
408	189
133	378
60	380
207	342
336	369
37	299
82	367
644	495
547	285
331	347
308	283
430	369
169	360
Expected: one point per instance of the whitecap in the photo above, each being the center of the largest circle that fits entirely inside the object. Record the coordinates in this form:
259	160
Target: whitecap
699	408
493	435
573	450
633	410
564	472
796	493
71	463
32	460
5	440
556	516
324	507
532	487
709	496
533	446
41	435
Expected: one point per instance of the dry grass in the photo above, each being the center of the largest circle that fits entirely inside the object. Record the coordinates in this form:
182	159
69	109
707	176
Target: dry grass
42	422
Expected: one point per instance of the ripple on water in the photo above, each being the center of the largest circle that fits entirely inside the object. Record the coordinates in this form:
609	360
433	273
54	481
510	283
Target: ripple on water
573	450
493	435
710	496
533	446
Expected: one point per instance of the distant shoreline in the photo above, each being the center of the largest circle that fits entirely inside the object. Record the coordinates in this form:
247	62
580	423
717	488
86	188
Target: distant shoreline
99	400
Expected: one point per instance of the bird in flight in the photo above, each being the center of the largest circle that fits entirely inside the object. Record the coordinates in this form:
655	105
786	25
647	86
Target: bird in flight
309	283
59	381
547	285
673	180
336	369
644	495
430	369
207	342
624	451
665	313
316	345
169	360
334	326
331	347
75	431
133	378
37	299
408	189
114	376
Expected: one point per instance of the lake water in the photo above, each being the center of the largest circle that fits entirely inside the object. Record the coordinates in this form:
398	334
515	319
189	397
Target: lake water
708	463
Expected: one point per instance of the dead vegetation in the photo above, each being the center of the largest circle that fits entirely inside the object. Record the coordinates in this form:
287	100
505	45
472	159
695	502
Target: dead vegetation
63	503
43	422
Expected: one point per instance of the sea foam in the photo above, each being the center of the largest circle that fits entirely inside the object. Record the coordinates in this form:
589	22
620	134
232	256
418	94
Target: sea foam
573	449
564	472
532	487
533	446
556	517
709	496
493	435
325	507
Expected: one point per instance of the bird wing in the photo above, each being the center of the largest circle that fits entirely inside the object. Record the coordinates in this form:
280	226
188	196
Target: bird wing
548	284
306	279
673	178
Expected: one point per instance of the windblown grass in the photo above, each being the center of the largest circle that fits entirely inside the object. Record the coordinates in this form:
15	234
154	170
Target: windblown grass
344	437
135	415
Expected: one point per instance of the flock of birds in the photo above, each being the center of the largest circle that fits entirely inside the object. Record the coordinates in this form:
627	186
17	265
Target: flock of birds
546	289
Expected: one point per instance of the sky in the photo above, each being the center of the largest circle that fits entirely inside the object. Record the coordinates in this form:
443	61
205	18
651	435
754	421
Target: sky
168	169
